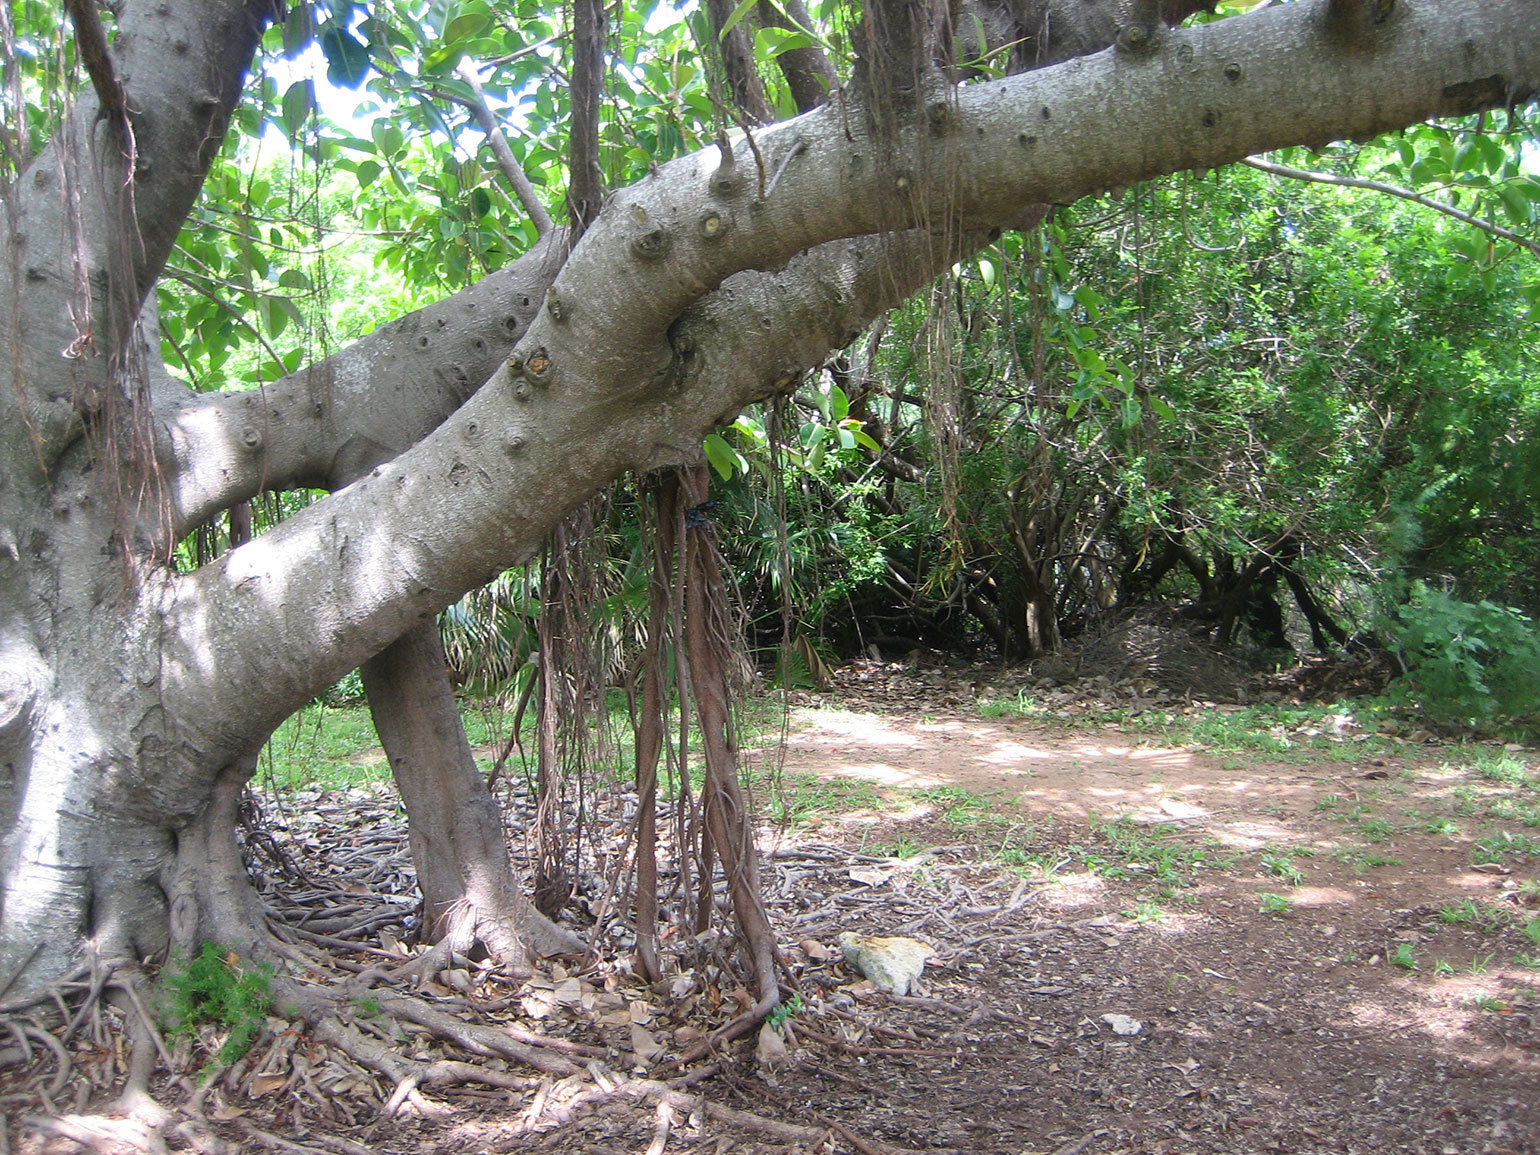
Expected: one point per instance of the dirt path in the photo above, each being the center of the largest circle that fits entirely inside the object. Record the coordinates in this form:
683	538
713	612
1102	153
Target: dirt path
1337	952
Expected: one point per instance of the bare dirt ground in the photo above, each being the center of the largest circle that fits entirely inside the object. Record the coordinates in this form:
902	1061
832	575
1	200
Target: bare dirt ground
1329	941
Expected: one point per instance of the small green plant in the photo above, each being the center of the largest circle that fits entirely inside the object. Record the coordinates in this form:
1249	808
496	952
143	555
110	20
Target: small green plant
1375	829
784	1012
217	989
1404	956
1442	826
1280	863
1146	912
1360	859
1328	802
903	847
1489	1003
1479	964
1527	960
1023	704
1469	912
1442	967
1466	663
367	1005
1532	930
1274	904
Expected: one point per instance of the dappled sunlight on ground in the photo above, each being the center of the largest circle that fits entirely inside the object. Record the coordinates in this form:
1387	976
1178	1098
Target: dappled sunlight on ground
1310	896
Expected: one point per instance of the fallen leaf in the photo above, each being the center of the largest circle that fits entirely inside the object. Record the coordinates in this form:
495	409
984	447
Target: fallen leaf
267	1084
645	1045
770	1053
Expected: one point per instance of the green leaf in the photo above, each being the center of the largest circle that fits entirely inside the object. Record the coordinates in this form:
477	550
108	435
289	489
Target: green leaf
347	60
298	105
723	457
298	29
387	136
1520	211
771	42
738	14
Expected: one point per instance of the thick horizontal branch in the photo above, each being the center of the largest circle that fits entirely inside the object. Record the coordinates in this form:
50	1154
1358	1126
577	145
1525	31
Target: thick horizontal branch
1191	98
343	578
330	422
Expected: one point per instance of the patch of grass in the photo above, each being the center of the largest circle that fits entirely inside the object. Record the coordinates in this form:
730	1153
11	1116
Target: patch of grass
1328	802
1505	845
216	989
1021	706
1359	859
1315	727
1527	960
797	799
1489	1003
320	746
1445	826
1045	864
961	808
334	747
1479	964
1274	904
1151	852
1515	810
1501	766
1374	828
1404	956
1531	930
1469	912
1442	967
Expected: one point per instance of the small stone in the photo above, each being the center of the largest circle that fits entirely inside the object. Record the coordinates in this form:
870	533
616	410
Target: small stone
1123	1024
892	964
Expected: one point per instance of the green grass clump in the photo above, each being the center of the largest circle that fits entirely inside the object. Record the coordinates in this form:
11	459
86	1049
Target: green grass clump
215	989
1505	845
1021	706
1469	912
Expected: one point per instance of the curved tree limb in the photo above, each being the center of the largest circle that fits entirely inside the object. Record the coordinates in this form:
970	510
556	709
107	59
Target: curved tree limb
1405	194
